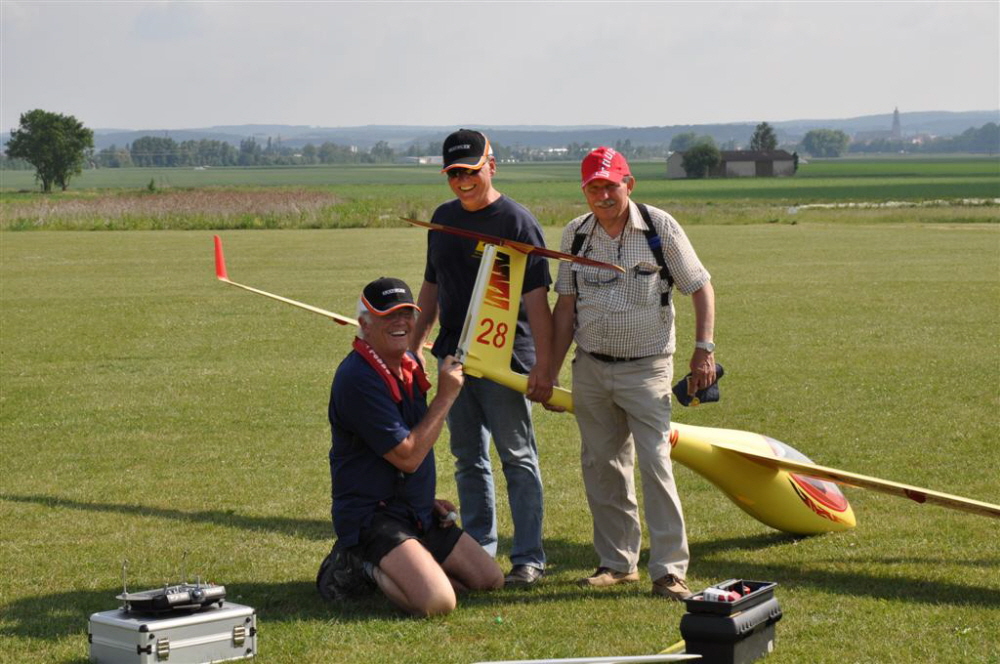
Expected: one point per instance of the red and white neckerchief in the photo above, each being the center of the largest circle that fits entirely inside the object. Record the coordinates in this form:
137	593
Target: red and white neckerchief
409	367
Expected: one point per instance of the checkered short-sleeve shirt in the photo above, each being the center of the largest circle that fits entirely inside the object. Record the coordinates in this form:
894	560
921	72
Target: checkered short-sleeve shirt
621	314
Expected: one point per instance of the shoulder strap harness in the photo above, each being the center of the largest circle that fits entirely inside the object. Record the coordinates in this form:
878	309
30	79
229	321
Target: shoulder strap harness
655	246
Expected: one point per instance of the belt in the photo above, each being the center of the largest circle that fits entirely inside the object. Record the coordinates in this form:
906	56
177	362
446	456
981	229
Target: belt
611	359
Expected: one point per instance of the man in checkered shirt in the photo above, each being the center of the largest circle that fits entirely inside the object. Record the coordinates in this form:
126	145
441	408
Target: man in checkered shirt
623	325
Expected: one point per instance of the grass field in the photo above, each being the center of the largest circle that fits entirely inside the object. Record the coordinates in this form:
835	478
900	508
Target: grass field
149	412
376	196
403	174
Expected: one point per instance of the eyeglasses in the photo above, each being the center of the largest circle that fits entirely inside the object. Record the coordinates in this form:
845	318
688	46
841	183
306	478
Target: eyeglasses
596	276
456	173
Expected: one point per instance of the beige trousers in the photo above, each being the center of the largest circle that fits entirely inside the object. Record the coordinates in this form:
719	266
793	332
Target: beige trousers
623	411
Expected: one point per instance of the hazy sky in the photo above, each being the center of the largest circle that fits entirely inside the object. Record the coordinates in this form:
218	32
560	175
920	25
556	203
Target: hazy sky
148	65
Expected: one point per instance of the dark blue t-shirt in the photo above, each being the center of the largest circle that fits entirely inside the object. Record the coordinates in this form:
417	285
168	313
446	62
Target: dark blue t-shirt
366	423
453	262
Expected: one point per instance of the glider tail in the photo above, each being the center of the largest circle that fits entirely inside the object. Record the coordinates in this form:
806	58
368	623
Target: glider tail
487	340
220	261
221	275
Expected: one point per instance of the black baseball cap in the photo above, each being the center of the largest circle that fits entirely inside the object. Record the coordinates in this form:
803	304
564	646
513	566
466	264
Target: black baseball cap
385	295
465	148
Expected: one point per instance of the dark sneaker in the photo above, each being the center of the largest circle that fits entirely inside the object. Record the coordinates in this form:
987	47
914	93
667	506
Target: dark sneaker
605	576
523	576
343	575
671	587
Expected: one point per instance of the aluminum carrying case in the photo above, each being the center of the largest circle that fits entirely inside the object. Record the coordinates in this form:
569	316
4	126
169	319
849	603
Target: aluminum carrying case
215	634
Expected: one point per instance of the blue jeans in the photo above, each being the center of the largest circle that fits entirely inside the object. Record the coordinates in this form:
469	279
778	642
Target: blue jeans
483	408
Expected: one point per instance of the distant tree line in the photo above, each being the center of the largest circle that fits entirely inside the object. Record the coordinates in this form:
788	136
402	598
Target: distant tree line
836	143
8	163
157	151
161	151
982	140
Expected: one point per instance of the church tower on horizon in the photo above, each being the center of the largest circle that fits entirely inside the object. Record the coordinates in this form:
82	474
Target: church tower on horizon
897	130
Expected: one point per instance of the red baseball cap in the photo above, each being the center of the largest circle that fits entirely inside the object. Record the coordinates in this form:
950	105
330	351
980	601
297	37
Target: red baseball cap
604	164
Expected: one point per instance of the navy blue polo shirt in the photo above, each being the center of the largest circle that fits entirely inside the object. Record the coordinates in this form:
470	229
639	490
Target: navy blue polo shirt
453	262
366	423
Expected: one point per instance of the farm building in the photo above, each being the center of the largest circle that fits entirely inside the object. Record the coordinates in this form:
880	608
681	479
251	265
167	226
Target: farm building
425	159
739	164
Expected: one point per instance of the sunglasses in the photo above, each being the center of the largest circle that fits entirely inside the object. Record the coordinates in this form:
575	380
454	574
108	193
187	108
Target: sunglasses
456	173
593	276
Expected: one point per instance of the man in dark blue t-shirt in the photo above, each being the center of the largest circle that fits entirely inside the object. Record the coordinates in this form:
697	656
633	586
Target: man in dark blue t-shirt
389	526
485	407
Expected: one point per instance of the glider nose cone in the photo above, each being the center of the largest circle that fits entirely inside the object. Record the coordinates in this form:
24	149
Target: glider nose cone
776	497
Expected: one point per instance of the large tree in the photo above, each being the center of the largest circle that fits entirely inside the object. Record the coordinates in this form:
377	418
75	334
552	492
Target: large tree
825	142
700	159
763	139
54	144
687	140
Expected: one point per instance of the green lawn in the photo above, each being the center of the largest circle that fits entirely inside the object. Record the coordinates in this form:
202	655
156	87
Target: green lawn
959	166
149	412
960	190
904	166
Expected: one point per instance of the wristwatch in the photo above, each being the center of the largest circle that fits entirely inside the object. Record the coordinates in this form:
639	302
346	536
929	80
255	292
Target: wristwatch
705	345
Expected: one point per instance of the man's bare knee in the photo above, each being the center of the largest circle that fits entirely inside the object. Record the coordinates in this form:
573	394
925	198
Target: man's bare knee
494	582
437	604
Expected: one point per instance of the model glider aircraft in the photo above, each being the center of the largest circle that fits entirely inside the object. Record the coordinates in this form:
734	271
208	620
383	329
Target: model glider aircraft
769	480
487	339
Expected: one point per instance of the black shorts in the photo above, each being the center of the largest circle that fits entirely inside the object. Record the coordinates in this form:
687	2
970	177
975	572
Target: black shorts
386	532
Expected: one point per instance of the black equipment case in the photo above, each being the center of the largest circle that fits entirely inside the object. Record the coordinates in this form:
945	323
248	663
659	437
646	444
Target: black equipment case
732	632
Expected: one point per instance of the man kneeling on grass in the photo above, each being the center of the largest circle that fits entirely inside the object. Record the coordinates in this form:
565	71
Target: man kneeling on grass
391	532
